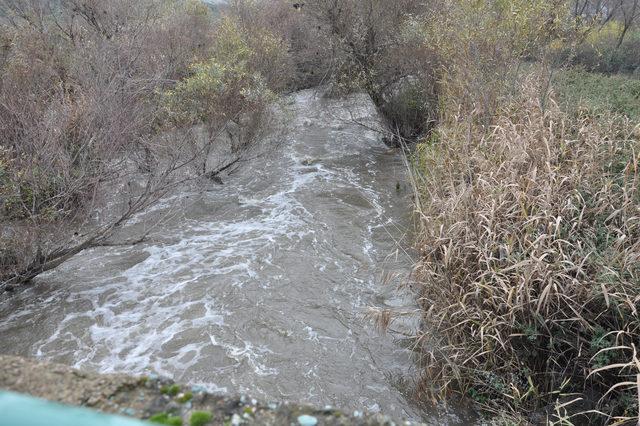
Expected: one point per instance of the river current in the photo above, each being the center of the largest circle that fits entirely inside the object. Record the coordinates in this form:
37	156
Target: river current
260	286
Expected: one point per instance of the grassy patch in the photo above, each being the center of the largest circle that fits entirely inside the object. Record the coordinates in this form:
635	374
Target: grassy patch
166	419
171	390
186	397
598	92
200	418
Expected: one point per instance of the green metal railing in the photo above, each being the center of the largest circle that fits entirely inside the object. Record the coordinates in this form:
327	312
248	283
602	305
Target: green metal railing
23	410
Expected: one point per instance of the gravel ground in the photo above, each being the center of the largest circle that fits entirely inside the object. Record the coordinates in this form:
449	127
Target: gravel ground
146	397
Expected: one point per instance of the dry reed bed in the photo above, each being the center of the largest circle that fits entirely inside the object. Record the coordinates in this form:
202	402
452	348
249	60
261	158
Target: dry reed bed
530	260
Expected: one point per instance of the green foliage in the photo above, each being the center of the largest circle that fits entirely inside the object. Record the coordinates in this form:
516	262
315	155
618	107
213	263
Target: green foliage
518	27
222	87
598	92
4	171
171	390
601	340
476	65
601	51
166	419
35	194
200	418
186	397
410	108
197	8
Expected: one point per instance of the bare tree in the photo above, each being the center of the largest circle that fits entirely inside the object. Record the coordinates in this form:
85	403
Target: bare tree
629	13
374	53
86	127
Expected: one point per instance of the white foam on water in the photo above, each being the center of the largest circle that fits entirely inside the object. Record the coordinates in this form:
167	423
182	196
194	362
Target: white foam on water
249	354
185	307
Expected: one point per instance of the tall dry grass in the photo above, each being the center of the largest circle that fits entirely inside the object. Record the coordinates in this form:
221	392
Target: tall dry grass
530	260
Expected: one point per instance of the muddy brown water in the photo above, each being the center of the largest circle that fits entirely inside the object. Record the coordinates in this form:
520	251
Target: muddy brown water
259	286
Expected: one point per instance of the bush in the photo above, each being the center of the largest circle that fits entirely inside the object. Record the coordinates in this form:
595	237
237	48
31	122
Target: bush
78	89
259	40
600	51
227	90
85	88
227	84
372	52
476	67
409	107
530	265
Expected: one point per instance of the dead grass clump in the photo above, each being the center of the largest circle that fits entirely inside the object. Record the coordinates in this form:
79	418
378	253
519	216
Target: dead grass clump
530	264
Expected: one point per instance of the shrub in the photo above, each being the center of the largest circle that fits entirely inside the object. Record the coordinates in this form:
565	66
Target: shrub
301	54
261	46
530	264
215	92
227	84
80	113
228	90
476	67
372	52
410	107
600	51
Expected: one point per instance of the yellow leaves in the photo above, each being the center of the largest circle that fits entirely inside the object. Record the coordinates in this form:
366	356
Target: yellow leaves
197	8
206	94
230	44
607	33
517	25
231	80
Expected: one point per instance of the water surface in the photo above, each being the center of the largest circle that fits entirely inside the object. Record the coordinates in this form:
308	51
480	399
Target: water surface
259	286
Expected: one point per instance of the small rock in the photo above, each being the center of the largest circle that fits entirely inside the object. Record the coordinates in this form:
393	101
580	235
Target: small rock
236	420
173	406
129	412
309	161
94	400
198	389
306	420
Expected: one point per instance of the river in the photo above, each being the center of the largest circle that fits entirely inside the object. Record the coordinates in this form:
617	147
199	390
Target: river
259	286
